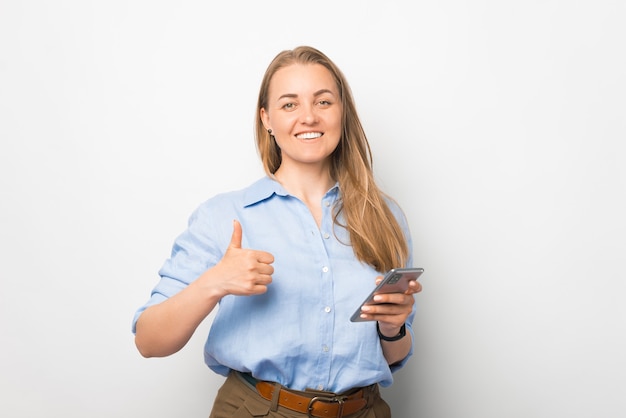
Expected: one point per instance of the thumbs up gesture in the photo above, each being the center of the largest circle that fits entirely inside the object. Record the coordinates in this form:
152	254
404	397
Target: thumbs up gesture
241	271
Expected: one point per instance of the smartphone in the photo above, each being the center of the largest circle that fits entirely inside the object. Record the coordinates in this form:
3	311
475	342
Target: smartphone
395	281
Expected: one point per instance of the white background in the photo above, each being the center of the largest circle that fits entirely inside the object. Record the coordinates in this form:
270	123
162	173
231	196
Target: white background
498	125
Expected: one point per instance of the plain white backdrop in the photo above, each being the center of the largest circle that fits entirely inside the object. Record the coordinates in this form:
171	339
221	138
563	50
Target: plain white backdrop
499	126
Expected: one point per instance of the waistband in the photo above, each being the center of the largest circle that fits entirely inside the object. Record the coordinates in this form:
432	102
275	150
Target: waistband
314	403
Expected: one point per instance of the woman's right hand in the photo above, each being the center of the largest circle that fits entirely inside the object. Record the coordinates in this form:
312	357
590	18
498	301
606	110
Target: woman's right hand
241	271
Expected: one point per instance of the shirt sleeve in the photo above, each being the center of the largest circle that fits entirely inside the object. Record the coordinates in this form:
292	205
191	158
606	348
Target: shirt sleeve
193	252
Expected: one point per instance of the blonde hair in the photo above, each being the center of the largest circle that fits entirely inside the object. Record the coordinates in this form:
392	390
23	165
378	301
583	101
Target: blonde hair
375	235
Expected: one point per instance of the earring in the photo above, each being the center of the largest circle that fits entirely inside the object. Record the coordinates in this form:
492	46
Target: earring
269	131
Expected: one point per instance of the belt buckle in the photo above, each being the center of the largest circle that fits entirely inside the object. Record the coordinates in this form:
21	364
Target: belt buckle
329	399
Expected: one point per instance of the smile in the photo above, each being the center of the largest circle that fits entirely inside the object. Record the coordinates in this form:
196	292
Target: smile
309	135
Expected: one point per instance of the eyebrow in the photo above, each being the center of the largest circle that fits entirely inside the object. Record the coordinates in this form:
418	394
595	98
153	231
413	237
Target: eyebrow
317	93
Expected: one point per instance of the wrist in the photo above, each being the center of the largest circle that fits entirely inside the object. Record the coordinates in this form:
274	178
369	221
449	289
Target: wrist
398	336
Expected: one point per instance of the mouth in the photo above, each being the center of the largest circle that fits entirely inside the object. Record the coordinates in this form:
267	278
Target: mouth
309	135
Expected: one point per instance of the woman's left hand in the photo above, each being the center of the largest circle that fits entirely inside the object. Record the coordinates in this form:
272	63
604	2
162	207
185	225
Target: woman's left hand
391	309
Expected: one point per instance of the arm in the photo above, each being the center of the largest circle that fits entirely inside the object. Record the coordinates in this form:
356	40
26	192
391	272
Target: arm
165	328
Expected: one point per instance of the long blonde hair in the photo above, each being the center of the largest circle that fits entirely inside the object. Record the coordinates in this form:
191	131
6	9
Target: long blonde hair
375	235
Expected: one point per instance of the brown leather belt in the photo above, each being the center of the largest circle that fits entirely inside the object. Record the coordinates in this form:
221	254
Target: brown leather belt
322	405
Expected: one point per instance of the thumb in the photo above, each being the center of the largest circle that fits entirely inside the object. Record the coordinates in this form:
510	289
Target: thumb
235	240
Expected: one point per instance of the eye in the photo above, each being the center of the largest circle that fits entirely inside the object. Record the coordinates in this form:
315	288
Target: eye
324	103
289	106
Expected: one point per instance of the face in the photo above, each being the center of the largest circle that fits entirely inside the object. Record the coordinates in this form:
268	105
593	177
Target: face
304	113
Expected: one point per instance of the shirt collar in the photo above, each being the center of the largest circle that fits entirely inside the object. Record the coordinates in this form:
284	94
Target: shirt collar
267	187
261	190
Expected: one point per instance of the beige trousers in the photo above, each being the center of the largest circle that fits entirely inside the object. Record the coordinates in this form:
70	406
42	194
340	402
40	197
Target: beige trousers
238	399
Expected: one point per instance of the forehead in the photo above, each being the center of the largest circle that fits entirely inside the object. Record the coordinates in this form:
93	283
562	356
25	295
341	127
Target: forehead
302	79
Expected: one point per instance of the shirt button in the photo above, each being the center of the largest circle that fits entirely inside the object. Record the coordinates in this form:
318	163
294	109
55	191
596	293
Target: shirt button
326	235
327	309
320	387
325	348
327	203
325	269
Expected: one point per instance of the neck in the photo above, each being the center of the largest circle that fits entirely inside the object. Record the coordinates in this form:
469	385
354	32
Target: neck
308	184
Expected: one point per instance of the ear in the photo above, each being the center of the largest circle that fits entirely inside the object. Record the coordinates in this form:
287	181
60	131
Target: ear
265	118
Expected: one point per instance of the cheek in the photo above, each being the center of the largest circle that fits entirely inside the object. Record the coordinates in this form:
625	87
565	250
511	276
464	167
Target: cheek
336	119
283	125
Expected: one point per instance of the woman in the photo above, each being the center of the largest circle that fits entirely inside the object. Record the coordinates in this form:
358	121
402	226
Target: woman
288	259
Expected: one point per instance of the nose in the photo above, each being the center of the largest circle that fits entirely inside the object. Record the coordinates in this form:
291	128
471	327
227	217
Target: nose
308	115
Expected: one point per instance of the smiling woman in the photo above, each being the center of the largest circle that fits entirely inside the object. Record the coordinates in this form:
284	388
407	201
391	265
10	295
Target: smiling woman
312	236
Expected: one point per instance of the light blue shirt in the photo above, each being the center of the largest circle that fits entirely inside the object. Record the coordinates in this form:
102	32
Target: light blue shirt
299	332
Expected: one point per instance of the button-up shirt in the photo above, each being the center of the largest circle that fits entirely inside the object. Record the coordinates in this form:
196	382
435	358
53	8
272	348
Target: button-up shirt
299	332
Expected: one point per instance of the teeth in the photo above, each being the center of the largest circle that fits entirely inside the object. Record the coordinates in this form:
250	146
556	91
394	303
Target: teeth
309	135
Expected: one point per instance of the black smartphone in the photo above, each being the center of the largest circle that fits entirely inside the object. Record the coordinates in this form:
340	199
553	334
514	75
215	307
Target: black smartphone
395	281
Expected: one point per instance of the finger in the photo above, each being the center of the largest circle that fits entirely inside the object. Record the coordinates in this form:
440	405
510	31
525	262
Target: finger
394	298
385	314
235	240
387	309
260	289
264	257
264	279
378	280
266	269
414	287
